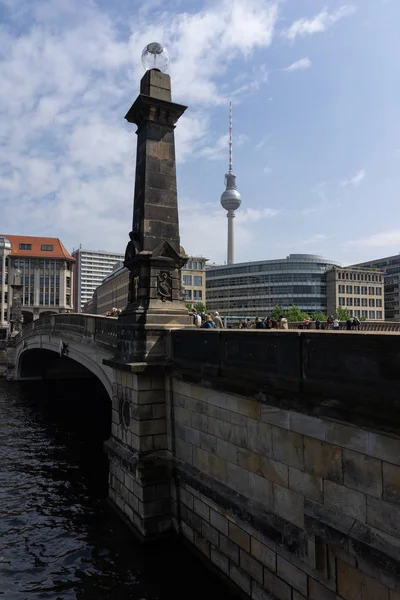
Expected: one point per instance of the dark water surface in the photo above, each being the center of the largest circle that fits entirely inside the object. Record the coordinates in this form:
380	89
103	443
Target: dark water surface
59	540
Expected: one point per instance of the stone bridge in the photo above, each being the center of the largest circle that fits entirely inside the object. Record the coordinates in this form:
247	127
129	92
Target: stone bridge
86	341
275	454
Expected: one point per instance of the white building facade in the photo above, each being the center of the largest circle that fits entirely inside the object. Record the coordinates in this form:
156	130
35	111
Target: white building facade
92	266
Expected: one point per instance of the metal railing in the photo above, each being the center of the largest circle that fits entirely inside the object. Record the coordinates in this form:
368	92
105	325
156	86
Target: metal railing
364	326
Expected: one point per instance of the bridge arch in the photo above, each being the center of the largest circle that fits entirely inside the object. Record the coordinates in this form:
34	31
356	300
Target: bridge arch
39	357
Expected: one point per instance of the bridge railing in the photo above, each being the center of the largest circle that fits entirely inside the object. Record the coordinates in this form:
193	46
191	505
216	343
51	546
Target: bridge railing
364	325
91	327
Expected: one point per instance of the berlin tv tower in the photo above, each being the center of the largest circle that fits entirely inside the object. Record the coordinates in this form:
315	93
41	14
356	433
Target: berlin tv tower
230	199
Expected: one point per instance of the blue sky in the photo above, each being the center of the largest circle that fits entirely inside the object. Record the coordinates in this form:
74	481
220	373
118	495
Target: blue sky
315	87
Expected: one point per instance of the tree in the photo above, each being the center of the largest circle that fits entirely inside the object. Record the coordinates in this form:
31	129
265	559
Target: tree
200	307
277	312
295	314
342	314
320	316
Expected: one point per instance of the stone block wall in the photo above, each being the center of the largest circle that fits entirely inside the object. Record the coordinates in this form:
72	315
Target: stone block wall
139	478
286	504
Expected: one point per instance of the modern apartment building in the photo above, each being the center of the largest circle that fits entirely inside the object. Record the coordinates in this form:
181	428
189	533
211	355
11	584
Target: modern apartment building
46	274
391	269
360	291
254	288
92	266
113	291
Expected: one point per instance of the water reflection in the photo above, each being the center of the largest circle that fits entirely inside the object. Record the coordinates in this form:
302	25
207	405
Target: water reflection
59	540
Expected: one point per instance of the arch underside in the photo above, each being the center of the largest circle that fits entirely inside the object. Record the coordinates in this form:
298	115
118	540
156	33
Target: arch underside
40	359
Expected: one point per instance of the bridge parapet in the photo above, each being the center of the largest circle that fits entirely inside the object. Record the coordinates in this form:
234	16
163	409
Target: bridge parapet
92	327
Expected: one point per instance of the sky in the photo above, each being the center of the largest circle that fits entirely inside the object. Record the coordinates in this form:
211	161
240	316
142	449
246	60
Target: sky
315	89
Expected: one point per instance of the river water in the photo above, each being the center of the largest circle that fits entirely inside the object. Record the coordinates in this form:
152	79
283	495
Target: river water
59	539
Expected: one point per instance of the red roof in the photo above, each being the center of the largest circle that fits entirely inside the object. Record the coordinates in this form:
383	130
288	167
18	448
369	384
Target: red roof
59	250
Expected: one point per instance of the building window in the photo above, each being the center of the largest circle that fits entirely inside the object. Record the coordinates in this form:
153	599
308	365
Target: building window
197	294
350	313
379	314
189	265
349	301
357	302
47	247
187	280
68	300
378	291
349	289
371	291
364	314
372	314
188	294
356	289
371	303
357	313
364	289
347	275
197	280
25	246
68	282
341	289
378	302
364	302
342	301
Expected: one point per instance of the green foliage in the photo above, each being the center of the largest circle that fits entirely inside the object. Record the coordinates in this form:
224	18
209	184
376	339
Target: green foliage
342	314
199	306
319	315
296	314
277	312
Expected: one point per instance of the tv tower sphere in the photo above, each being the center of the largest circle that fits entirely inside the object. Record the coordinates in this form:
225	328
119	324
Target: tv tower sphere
230	198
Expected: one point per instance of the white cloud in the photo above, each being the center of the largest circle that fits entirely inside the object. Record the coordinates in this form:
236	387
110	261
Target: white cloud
299	65
317	24
69	71
263	141
219	151
355	180
317	237
267	170
383	239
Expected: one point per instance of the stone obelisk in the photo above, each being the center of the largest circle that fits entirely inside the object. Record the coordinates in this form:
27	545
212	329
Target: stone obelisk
153	257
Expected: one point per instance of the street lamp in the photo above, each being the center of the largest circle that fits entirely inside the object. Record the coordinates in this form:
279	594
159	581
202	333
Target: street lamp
155	56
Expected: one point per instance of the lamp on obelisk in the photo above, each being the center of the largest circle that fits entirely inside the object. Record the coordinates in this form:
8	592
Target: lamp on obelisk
156	298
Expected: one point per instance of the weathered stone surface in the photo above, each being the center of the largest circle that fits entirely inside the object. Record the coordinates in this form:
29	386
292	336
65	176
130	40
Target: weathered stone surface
258	592
201	509
383	515
287	447
277	586
349	581
251	566
319	592
228	548
220	560
391	482
306	485
261	490
275	416
259	437
263	554
210	533
241	579
239	537
323	460
289	505
345	500
219	522
237	478
292	575
385	447
307	425
202	544
363	473
227	451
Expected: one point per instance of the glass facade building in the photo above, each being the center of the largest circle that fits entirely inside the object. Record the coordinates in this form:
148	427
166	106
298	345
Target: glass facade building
254	288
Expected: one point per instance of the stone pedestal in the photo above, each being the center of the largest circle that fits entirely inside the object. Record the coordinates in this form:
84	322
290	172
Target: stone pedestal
138	450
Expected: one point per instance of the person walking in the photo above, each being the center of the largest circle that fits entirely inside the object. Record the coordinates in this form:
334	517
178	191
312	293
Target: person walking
336	324
218	321
209	323
317	324
283	322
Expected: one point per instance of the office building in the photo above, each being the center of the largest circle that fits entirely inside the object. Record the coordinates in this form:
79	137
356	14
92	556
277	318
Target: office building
357	290
113	291
254	288
46	273
391	269
92	266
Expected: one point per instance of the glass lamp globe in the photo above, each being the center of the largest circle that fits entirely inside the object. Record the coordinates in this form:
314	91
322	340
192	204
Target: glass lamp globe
155	56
